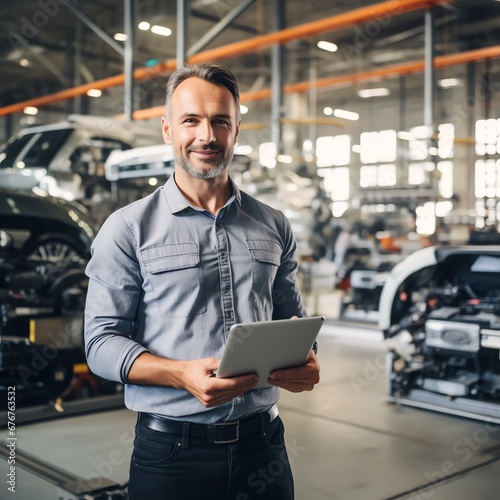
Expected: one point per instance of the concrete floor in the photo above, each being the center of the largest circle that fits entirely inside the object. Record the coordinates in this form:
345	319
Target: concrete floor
344	440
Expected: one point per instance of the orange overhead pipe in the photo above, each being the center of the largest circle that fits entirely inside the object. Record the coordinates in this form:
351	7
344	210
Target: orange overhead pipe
372	13
376	12
365	76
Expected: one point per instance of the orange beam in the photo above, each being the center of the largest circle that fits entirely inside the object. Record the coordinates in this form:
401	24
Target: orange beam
377	12
365	76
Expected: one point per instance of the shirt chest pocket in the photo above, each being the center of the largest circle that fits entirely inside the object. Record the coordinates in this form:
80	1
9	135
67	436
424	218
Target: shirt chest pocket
176	275
266	258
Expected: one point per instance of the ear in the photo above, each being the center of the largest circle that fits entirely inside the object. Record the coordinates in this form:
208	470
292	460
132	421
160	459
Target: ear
237	132
166	130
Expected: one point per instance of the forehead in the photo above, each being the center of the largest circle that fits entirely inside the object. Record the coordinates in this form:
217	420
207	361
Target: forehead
195	94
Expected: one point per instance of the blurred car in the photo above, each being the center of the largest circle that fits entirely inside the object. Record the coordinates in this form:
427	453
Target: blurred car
136	172
44	226
67	159
440	315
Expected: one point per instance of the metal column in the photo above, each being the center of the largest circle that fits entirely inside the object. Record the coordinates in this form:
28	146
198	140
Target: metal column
128	90
429	73
277	55
181	32
470	96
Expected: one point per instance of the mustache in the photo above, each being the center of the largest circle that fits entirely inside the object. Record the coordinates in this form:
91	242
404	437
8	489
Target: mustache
212	148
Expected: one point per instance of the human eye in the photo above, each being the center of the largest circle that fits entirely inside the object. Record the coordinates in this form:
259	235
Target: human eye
223	122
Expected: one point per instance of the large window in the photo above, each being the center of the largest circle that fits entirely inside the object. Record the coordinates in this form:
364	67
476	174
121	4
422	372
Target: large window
333	151
487	173
377	151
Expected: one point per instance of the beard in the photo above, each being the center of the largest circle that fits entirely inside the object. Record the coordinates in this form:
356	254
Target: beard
214	168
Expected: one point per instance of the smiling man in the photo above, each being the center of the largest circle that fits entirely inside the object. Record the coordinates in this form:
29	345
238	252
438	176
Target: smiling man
169	275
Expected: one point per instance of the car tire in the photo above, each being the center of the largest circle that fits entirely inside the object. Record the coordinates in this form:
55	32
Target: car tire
53	248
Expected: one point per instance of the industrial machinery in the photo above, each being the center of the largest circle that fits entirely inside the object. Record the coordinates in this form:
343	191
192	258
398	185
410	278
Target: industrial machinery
440	315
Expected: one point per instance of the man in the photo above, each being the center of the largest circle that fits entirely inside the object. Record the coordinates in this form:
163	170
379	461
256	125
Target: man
169	275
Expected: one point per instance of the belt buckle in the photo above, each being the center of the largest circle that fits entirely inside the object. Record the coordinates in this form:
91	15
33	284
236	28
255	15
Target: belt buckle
236	426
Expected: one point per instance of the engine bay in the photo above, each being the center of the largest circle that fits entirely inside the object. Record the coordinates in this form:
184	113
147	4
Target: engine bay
443	336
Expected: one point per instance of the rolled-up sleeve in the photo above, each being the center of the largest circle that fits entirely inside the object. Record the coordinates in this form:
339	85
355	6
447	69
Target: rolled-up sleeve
115	288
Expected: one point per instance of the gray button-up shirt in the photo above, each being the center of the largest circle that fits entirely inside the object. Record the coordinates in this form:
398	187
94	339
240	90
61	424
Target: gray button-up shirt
171	279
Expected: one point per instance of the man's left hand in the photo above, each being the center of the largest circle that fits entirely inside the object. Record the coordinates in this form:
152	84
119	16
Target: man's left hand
302	378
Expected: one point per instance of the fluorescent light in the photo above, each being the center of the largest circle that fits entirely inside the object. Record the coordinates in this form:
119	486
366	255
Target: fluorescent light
144	25
243	149
161	30
94	92
284	158
328	111
405	136
120	37
379	92
448	83
30	110
329	46
356	148
243	109
346	115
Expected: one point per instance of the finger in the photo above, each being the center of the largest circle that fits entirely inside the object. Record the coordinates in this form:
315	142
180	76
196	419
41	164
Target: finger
292	387
243	382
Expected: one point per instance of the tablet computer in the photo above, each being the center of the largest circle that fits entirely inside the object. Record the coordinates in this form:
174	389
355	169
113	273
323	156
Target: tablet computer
265	346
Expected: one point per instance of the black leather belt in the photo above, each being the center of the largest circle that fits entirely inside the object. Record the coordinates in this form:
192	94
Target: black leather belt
224	432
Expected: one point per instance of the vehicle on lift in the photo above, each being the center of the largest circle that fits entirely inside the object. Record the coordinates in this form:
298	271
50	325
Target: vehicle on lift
67	159
440	315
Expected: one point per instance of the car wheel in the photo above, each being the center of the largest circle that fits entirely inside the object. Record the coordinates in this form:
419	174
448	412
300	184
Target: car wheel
53	249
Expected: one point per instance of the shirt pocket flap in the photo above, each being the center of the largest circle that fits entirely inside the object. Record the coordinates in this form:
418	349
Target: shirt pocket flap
265	251
170	257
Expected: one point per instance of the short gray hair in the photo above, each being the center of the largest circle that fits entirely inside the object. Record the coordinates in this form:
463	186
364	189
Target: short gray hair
212	73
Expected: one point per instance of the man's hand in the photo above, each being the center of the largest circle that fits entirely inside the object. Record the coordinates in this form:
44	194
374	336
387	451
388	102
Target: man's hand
302	378
199	379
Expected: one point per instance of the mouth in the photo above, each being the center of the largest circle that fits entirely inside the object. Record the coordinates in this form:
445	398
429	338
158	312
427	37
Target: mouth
205	154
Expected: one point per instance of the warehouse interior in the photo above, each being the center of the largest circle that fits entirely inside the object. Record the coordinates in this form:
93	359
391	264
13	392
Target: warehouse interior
374	126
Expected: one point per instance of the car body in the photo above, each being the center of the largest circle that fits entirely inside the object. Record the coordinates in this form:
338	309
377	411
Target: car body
65	159
440	314
48	227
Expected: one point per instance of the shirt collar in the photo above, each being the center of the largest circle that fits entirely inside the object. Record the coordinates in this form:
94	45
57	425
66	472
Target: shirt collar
177	202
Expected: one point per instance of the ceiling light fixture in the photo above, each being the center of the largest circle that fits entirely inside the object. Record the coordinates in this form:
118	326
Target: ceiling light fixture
120	37
328	111
161	30
94	92
24	62
346	115
379	92
448	83
405	136
285	158
144	25
243	109
30	110
328	46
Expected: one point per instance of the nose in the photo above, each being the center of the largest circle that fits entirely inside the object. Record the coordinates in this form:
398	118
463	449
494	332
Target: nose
207	134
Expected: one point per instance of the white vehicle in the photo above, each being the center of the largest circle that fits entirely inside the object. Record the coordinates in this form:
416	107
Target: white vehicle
440	315
66	159
148	161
